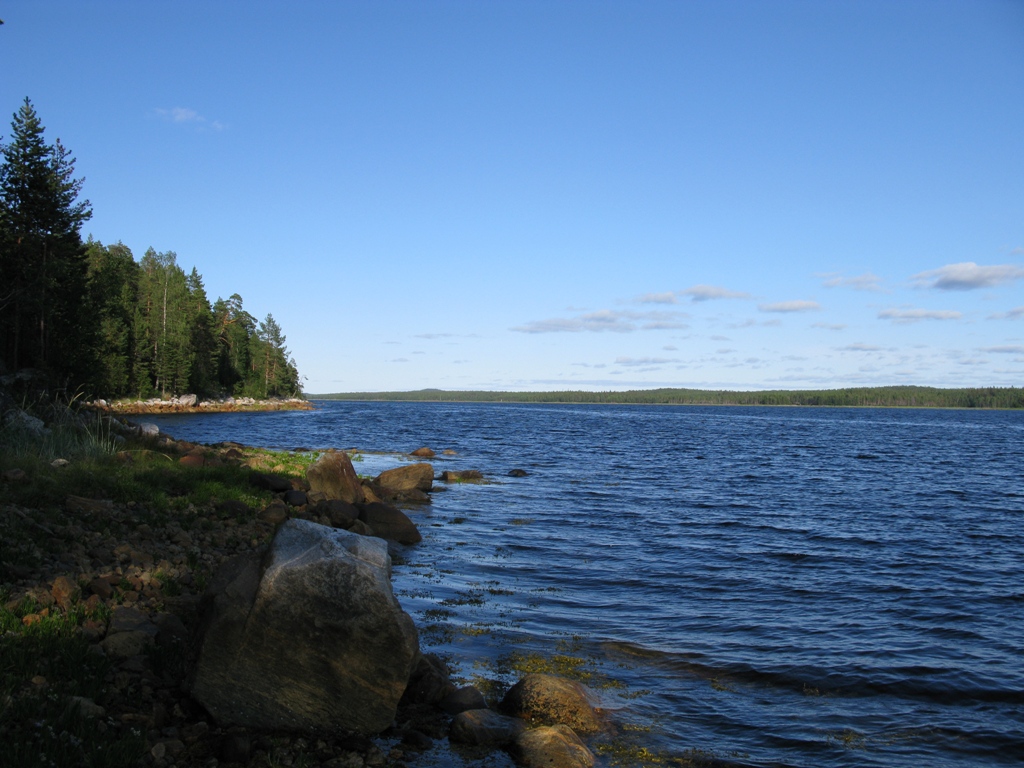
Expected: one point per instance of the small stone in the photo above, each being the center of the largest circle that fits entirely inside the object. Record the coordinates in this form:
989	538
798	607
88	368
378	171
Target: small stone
65	591
102	588
275	513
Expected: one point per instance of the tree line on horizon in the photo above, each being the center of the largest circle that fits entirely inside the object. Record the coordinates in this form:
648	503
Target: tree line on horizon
872	397
92	320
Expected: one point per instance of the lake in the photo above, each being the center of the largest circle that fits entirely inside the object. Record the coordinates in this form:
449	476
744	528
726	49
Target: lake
769	586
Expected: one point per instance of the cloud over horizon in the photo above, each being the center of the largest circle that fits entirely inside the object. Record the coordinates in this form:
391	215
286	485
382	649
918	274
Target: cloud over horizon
904	316
607	320
709	292
790	306
865	282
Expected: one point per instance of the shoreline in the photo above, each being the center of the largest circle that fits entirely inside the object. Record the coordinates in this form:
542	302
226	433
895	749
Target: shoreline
188	404
110	567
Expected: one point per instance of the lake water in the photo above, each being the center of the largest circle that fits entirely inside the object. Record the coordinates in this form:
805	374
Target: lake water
770	586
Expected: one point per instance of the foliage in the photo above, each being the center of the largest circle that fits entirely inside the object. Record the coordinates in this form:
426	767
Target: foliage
92	319
872	397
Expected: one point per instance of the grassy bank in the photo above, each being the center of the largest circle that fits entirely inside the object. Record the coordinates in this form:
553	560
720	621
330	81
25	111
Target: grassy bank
96	524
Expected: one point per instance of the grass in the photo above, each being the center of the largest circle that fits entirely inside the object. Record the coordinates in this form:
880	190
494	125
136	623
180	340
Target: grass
46	671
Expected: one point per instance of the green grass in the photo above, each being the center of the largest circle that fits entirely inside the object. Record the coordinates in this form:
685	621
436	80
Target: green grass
42	667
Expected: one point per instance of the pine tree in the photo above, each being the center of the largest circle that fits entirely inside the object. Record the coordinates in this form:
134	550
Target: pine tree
42	259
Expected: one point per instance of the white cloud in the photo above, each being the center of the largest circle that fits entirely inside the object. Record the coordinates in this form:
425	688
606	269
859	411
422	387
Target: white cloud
790	306
708	292
865	282
606	320
967	276
829	326
642	361
859	347
1005	350
1014	314
904	316
187	115
657	298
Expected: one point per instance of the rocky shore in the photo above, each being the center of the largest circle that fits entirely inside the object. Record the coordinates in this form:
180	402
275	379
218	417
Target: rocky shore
141	588
193	404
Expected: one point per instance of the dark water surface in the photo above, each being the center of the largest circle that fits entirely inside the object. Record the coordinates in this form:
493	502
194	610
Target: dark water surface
776	586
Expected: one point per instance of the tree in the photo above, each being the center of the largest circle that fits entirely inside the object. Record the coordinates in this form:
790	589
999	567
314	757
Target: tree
274	374
43	266
203	377
162	331
113	298
233	327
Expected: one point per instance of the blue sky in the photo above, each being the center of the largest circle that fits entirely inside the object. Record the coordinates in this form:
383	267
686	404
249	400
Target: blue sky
563	195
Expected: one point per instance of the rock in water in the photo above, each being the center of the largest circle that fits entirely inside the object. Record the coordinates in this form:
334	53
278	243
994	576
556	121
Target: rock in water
551	700
551	747
334	476
409	477
317	643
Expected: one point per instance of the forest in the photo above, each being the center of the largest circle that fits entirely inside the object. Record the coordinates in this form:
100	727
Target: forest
870	397
85	319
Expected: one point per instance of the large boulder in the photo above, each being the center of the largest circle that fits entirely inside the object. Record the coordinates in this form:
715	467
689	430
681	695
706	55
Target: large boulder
313	642
333	475
551	700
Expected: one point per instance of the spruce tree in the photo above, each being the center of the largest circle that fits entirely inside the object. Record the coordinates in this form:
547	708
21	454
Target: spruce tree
42	258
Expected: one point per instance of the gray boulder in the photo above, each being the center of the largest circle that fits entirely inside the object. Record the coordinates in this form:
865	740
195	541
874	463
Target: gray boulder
333	475
315	642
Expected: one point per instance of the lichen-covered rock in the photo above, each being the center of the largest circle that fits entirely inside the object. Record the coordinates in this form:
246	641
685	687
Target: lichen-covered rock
551	700
315	643
551	746
333	475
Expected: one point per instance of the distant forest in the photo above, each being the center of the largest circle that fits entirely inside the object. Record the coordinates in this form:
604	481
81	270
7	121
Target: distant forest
874	397
88	319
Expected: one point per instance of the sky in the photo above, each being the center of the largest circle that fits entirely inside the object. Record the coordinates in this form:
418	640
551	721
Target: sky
563	194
